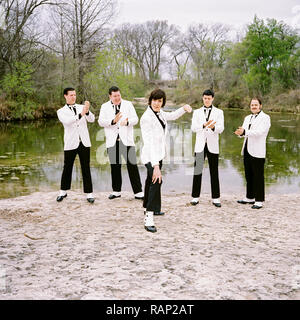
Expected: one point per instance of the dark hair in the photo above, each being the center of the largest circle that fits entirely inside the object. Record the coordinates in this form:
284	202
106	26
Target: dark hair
66	91
256	98
208	93
113	89
157	94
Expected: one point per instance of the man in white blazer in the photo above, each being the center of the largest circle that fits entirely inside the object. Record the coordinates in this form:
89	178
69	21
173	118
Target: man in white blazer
118	117
74	118
154	129
254	131
208	124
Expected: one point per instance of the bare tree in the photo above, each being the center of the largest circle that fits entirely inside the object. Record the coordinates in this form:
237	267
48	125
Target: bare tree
129	38
207	45
180	54
59	41
144	44
158	34
88	19
18	39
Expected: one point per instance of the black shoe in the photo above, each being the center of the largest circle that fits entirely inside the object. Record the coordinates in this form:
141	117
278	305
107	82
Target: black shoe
218	205
112	196
245	202
61	198
158	213
151	229
256	207
90	200
194	203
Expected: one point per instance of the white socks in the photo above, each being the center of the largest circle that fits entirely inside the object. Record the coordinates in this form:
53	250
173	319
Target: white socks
194	200
117	194
149	222
62	193
139	195
248	200
257	203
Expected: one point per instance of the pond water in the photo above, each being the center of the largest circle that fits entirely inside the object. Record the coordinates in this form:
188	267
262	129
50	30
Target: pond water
31	157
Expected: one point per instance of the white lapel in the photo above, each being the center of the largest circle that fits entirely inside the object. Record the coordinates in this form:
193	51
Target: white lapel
213	113
259	116
255	119
202	112
111	109
162	115
156	121
67	108
122	107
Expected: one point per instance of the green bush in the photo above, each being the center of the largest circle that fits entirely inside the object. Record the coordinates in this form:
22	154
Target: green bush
108	71
18	92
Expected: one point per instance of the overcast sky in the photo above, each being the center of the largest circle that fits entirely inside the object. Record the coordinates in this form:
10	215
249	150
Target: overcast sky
237	13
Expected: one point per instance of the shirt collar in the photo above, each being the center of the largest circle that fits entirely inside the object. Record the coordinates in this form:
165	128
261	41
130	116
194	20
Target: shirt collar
117	105
256	114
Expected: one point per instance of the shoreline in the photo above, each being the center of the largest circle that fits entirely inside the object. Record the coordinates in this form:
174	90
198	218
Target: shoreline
75	250
144	102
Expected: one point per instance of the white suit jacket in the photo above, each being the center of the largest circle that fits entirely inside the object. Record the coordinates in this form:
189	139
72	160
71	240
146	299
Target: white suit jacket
257	134
205	135
154	136
107	114
75	129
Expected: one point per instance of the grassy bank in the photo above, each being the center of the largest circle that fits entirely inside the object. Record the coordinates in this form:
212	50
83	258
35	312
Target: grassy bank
285	102
14	110
288	102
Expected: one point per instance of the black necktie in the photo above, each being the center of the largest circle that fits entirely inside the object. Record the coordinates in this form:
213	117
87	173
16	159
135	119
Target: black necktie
72	108
251	120
209	111
160	119
117	108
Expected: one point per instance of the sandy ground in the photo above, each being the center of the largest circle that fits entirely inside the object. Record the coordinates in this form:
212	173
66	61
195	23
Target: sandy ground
101	251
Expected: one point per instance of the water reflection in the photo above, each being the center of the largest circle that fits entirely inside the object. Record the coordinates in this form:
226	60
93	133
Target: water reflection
31	157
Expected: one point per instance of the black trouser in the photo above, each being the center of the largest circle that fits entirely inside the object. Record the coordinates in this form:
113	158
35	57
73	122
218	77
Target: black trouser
115	158
152	192
254	173
69	158
213	162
